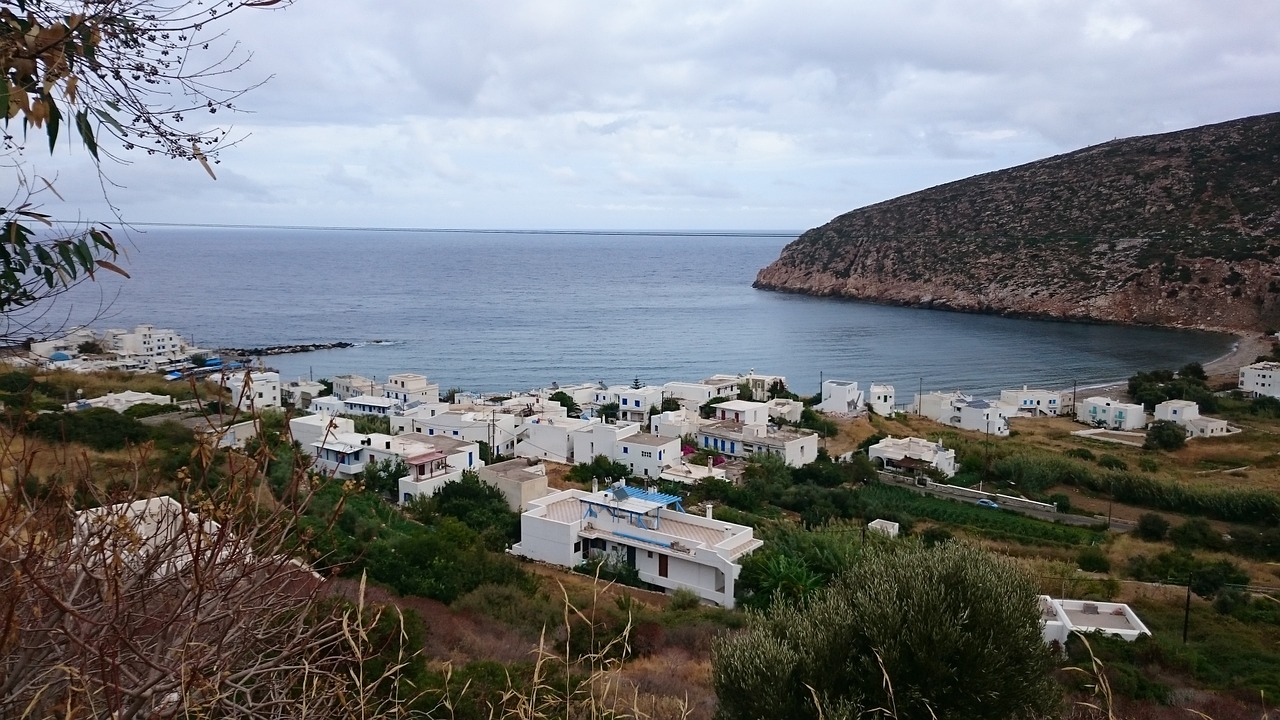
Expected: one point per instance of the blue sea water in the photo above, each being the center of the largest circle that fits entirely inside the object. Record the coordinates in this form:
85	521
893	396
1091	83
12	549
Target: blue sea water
505	311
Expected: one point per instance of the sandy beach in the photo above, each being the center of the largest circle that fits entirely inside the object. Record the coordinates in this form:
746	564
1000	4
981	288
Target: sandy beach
1244	351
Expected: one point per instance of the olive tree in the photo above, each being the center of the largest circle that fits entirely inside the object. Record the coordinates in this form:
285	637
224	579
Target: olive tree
908	632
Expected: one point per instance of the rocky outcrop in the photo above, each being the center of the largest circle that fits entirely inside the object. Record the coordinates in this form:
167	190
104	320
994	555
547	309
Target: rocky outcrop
1180	229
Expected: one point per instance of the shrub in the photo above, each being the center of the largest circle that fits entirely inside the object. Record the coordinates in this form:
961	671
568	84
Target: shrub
1197	533
1111	462
684	599
1151	527
1080	453
1061	502
1165	435
908	628
1148	464
99	428
1093	559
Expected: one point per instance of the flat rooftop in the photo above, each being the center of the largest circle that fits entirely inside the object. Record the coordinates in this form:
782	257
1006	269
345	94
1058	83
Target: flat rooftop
518	470
647	439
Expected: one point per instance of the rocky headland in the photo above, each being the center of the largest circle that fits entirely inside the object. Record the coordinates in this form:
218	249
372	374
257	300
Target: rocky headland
1180	229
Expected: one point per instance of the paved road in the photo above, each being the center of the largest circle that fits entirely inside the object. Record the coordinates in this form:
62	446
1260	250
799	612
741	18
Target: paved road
1116	524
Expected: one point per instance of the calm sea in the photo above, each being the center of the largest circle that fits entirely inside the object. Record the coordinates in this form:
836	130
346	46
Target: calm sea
504	311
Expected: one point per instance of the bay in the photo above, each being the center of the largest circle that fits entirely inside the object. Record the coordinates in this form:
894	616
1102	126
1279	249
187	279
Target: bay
501	311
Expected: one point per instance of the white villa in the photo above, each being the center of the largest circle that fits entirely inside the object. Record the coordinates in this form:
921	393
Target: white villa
880	399
1032	402
251	391
634	403
432	462
742	428
147	347
648	531
840	396
785	409
349	386
68	345
549	437
520	481
965	412
299	393
913	453
1060	618
492	426
727	385
408	388
648	455
1105	412
676	423
690	395
691	474
1261	378
1187	414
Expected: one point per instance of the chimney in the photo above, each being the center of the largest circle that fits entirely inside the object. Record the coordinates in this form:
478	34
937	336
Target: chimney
709	506
595	485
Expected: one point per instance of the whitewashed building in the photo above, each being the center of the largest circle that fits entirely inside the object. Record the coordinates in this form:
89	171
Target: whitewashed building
880	399
150	347
757	384
310	429
646	531
965	412
369	405
495	428
692	473
737	440
888	528
676	423
1187	414
634	403
407	388
549	437
251	391
691	396
68	345
1261	378
1033	402
520	481
299	393
648	455
785	409
1105	412
349	386
601	439
840	396
913	454
433	461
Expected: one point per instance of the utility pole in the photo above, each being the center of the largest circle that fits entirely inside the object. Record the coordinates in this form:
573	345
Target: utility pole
1186	614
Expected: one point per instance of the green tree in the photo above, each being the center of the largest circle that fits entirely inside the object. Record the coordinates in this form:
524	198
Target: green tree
479	506
669	404
944	632
1151	527
600	468
609	411
1165	435
636	384
744	391
383	476
566	401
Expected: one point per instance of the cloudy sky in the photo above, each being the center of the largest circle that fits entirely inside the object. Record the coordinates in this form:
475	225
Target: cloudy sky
660	114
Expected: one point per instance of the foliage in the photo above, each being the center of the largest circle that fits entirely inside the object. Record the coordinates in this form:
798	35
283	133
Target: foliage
708	409
479	506
1164	435
744	391
566	401
1111	462
142	410
811	420
1152	527
1197	533
370	424
1061	502
600	468
1080	454
1154	387
383	476
636	384
608	411
1093	559
89	347
669	404
1206	577
948	631
99	428
778	389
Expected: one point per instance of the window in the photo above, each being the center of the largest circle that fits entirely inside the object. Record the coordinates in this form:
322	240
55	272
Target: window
625	449
646	454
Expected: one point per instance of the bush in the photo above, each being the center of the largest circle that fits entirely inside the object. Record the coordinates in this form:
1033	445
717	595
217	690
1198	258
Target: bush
1061	502
684	599
99	428
1151	527
1165	435
1197	533
907	627
1111	462
1093	559
1148	464
1080	453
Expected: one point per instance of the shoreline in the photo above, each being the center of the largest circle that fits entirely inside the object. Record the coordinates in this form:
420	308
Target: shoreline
1246	348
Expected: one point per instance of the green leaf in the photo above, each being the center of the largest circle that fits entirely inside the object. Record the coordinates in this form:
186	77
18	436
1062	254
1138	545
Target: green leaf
4	98
106	118
64	250
86	133
84	254
43	255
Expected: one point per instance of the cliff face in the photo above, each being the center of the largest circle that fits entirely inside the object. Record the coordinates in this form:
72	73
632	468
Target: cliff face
1180	229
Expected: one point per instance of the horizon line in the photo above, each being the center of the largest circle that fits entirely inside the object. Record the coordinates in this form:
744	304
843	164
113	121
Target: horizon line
482	231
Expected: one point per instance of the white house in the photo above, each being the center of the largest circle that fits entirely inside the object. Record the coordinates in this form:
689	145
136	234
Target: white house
880	399
68	345
725	386
840	396
747	412
676	423
1105	412
496	429
737	440
121	401
965	412
601	439
520	481
610	394
403	418
785	409
251	390
549	437
1060	618
1187	414
433	461
1261	378
581	394
648	455
310	429
299	393
634	403
691	474
410	388
1032	402
349	386
646	531
368	405
757	384
690	395
913	453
